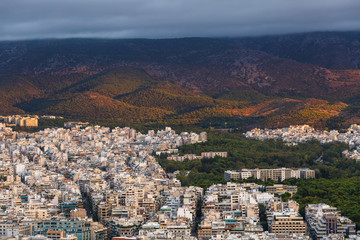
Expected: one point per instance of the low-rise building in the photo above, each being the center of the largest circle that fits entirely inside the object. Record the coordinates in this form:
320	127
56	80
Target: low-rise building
280	189
277	174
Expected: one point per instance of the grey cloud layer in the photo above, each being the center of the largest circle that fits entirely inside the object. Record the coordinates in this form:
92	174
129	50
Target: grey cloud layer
27	19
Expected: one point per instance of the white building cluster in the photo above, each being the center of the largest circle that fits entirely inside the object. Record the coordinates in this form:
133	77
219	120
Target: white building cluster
52	180
284	217
237	211
303	133
97	183
231	211
27	121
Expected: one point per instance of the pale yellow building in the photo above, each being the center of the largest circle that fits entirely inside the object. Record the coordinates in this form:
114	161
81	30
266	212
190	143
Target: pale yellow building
288	224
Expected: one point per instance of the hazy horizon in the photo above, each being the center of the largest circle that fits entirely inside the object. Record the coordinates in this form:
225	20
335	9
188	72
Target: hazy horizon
175	38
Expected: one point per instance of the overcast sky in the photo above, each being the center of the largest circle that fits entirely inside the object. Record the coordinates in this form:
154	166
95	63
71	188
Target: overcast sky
30	19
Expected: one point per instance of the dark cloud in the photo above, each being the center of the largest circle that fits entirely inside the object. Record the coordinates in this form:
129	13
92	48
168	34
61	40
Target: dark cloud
28	19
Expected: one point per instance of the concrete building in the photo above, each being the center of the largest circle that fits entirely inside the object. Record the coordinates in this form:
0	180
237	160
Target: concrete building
280	189
22	121
288	224
278	174
194	156
80	228
324	220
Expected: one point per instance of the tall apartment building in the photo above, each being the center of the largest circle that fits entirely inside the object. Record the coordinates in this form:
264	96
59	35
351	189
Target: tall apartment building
333	224
14	229
237	175
22	121
306	173
29	122
80	228
103	210
323	220
98	232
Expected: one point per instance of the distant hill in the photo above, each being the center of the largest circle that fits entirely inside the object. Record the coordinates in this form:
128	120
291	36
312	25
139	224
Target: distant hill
334	50
303	78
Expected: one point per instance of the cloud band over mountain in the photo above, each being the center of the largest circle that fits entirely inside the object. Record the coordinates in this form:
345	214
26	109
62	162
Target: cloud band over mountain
24	19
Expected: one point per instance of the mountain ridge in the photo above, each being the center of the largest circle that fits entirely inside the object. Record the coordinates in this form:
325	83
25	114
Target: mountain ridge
177	79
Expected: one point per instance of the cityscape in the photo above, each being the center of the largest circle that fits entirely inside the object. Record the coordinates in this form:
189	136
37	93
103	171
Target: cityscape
93	182
179	120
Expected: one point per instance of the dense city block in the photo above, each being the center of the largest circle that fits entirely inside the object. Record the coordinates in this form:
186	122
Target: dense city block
92	183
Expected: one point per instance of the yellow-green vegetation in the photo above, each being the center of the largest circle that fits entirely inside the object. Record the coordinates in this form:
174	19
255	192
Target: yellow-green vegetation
16	88
314	112
115	82
323	110
169	97
93	106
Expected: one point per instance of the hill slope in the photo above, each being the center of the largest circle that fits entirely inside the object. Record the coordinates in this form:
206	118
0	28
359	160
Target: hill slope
184	80
334	50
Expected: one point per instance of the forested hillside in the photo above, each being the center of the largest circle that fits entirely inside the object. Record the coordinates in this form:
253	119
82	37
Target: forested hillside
248	82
